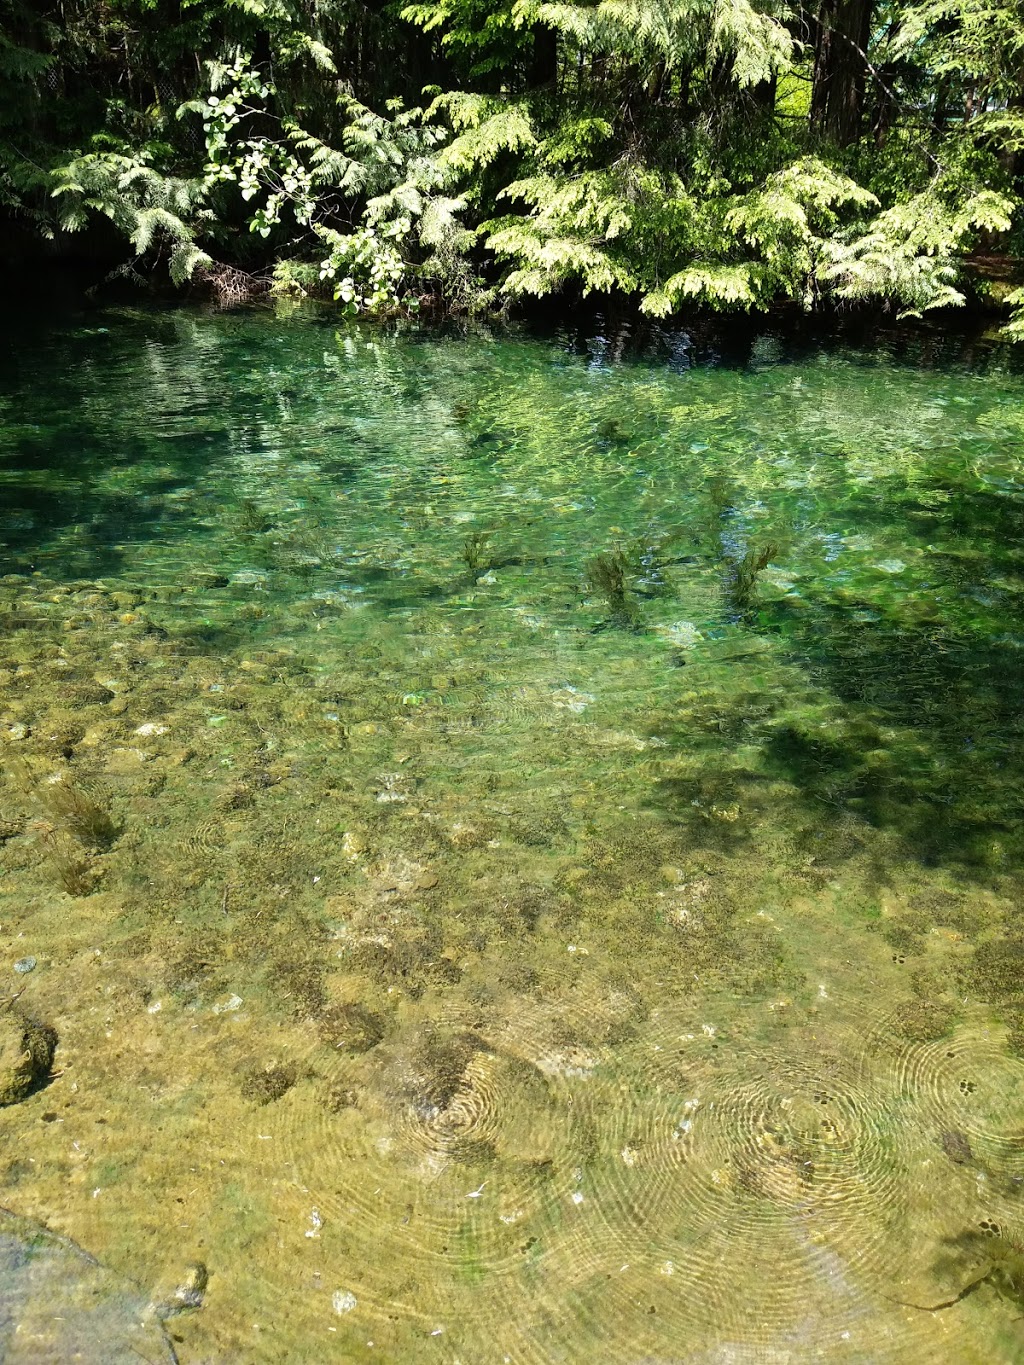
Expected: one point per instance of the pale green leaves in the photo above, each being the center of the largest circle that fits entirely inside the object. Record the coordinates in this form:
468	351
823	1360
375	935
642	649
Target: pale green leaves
365	268
681	32
626	227
1014	329
484	127
152	210
793	210
570	232
805	233
908	253
759	44
185	260
719	286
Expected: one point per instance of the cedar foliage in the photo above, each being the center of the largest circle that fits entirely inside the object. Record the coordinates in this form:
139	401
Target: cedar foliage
462	153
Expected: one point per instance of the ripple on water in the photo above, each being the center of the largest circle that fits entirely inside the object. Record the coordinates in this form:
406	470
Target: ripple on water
750	1200
966	1084
205	839
479	1160
444	1159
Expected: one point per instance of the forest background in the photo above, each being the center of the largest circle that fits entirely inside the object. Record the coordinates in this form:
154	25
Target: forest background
456	155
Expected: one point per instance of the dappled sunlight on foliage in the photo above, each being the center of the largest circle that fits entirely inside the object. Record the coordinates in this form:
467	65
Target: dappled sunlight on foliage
457	156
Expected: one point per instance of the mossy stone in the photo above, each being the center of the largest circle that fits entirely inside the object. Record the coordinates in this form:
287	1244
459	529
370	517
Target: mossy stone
903	936
997	972
26	1055
351	1028
264	1085
301	983
923	1021
440	1066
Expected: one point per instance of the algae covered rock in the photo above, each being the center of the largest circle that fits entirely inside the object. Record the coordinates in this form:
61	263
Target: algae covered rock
264	1085
26	1055
185	1292
351	1028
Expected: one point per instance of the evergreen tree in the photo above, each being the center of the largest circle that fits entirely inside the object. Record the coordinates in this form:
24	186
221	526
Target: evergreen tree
733	153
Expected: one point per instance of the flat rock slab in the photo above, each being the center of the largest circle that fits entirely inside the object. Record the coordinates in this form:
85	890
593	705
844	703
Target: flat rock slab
58	1303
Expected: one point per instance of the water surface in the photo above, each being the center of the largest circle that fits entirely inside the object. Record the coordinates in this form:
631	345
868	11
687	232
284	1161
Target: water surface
521	846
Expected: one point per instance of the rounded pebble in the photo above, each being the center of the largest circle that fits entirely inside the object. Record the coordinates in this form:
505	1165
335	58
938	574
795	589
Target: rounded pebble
25	965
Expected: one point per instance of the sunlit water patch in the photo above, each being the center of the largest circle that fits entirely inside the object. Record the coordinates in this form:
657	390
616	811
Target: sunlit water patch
520	854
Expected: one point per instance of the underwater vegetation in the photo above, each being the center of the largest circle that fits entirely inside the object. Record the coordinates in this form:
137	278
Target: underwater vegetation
74	826
264	1085
78	814
606	574
511	946
742	579
476	554
75	871
990	1256
72	809
611	433
301	984
251	518
351	1028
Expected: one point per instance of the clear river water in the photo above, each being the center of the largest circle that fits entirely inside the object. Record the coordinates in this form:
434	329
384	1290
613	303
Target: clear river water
519	842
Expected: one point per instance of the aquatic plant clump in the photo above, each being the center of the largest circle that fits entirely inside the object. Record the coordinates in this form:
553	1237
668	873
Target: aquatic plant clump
744	574
264	1085
476	553
607	575
81	815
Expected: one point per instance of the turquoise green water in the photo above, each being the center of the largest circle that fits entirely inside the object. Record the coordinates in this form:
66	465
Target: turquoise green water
521	847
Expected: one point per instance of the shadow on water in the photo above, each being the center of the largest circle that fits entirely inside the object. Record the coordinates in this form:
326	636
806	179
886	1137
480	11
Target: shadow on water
932	742
913	721
90	528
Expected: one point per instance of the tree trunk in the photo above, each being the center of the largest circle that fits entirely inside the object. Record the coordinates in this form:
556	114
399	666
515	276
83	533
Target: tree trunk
544	66
842	30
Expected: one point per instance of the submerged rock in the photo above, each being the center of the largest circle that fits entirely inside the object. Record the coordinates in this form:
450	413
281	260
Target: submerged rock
187	1293
88	694
957	1147
264	1085
351	1028
60	1303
